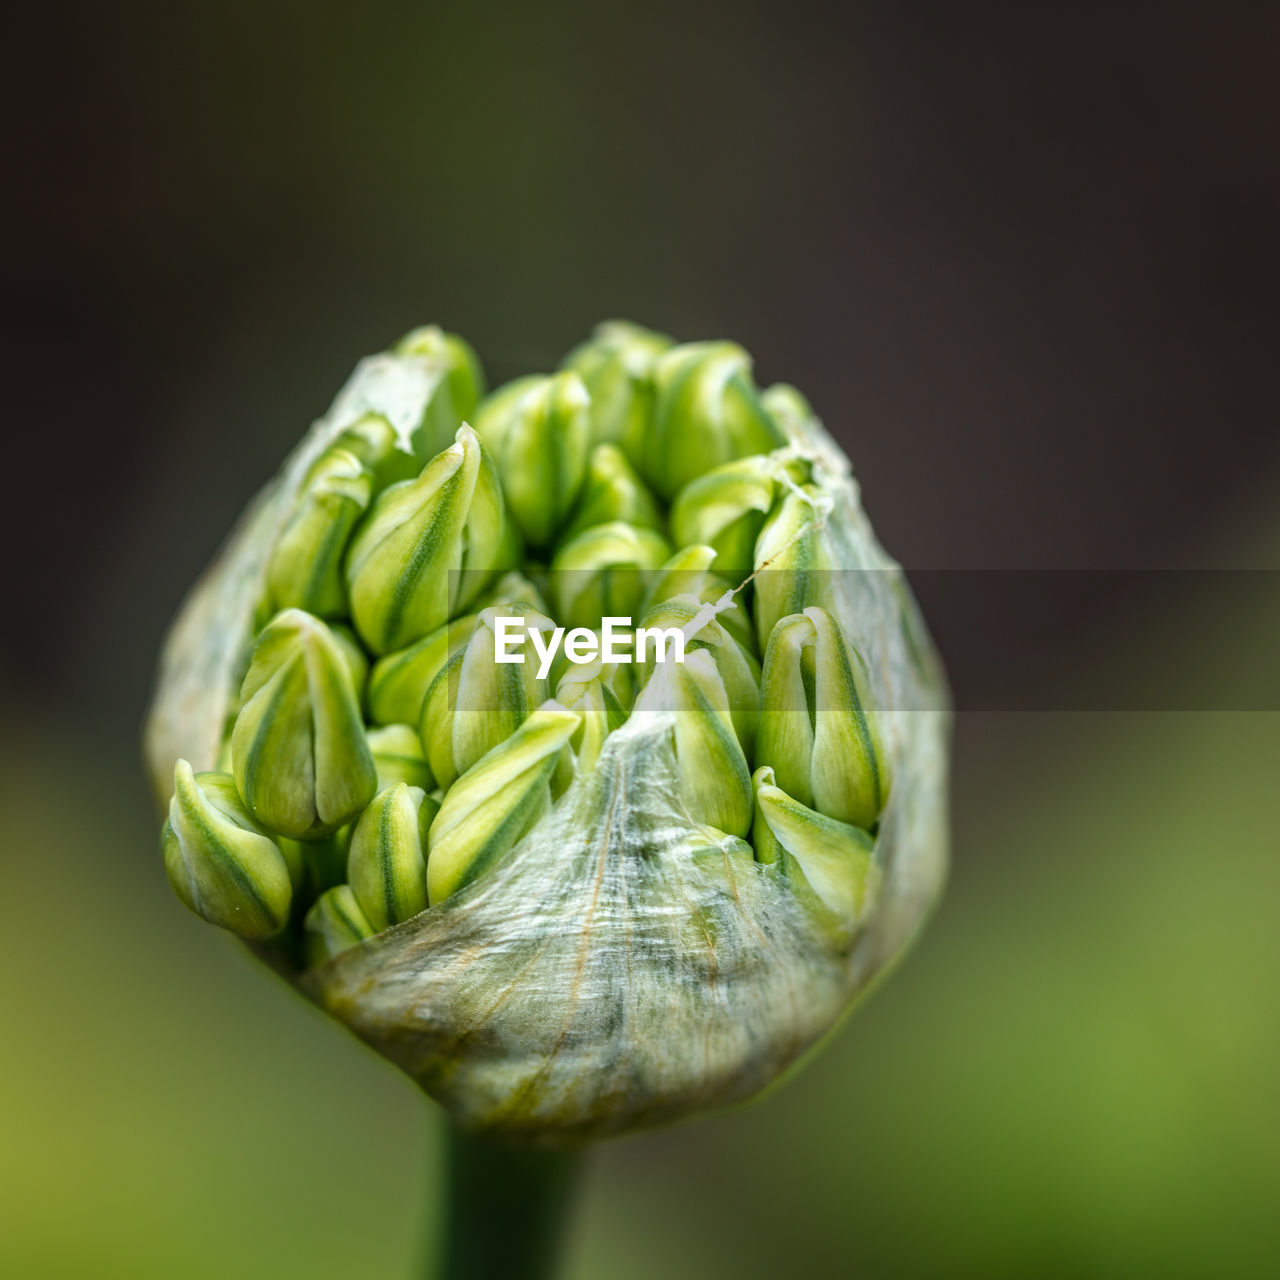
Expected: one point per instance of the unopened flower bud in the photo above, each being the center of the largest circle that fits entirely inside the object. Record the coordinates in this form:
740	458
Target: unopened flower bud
399	681
305	567
726	509
616	364
334	923
475	701
458	388
602	572
584	688
428	547
489	809
302	761
830	863
221	863
789	409
398	757
612	491
387	864
792	559
818	729
688	572
706	412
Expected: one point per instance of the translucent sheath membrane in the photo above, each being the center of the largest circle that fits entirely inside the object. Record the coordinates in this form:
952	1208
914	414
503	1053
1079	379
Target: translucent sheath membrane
620	966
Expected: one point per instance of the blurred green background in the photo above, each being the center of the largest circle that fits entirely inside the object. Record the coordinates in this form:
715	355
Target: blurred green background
1025	265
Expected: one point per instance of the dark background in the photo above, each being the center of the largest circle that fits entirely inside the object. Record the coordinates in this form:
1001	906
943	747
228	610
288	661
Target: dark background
1023	260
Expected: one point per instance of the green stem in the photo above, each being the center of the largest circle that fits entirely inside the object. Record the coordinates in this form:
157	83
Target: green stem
506	1209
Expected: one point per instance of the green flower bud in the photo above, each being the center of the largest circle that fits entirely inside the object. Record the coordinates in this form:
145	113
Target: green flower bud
428	547
714	776
601	572
830	863
387	865
707	412
541	453
373	440
221	863
353	655
489	809
793	560
688	572
789	409
817	727
612	491
399	682
334	923
475	701
584	688
458	390
726	509
513	588
616	364
305	567
497	409
619	677
302	762
398	757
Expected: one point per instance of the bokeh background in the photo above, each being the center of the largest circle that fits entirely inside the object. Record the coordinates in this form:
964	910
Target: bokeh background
1023	259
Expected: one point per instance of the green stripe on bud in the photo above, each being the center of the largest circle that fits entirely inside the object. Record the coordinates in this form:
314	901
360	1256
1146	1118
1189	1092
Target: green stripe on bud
301	758
221	863
540	451
398	757
726	509
714	775
496	802
304	570
475	701
399	681
613	491
335	923
602	572
792	559
706	412
428	547
818	730
460	385
616	364
830	864
387	864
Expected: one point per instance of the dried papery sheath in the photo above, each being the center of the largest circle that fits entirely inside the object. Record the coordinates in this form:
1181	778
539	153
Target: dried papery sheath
578	894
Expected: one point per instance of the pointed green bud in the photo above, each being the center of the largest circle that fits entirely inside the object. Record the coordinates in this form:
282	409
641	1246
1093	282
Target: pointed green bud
738	668
726	509
713	769
496	411
476	702
616	364
460	385
603	571
584	688
831	864
541	453
513	588
612	491
398	757
818	730
688	572
302	761
334	923
387	864
792	560
428	547
373	440
789	409
494	804
399	682
304	570
221	863
706	412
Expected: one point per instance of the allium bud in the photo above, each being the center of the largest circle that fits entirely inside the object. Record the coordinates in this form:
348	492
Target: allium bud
726	509
493	804
428	547
456	390
539	445
221	863
602	573
399	681
387	863
789	409
305	568
616	365
792	559
707	412
612	491
818	729
688	572
301	758
334	923
585	688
